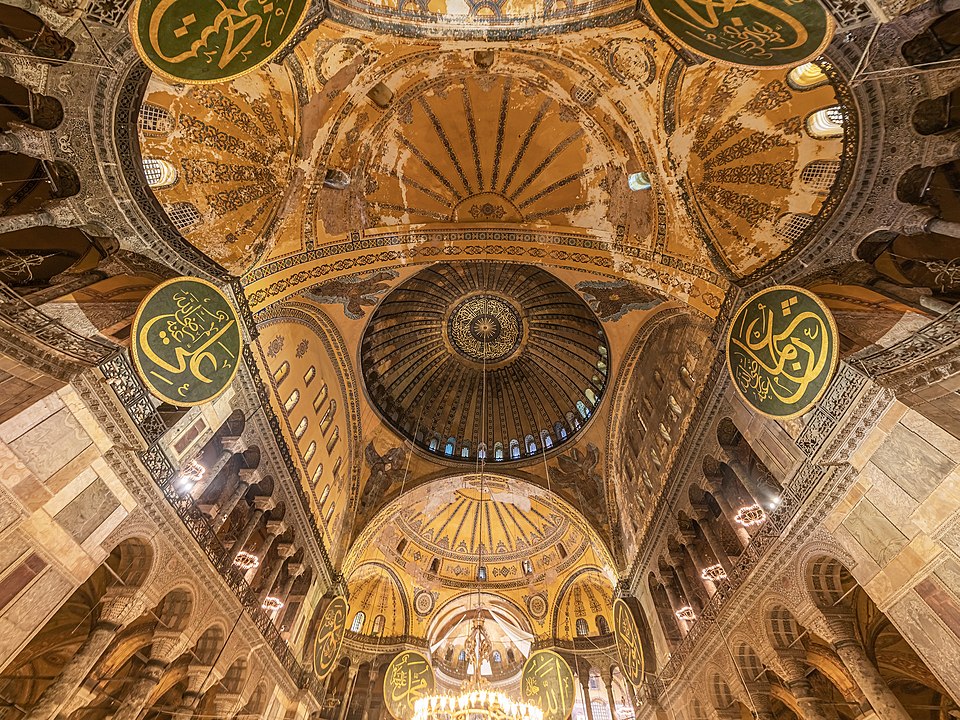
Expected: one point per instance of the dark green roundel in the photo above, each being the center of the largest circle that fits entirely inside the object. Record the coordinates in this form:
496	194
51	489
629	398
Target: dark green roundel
756	33
210	41
782	351
186	341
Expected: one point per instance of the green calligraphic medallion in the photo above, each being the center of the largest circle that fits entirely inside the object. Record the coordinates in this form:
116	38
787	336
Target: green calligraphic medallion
754	33
782	351
547	682
627	635
409	677
186	341
210	41
326	649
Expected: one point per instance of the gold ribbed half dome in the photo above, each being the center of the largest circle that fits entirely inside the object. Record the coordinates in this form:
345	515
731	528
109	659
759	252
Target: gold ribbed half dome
496	359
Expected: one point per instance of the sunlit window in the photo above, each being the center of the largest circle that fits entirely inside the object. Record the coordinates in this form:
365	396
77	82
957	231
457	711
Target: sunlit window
159	173
358	621
806	76
292	401
300	429
826	123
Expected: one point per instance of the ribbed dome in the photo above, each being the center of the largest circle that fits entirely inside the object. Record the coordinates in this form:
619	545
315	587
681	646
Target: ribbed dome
436	337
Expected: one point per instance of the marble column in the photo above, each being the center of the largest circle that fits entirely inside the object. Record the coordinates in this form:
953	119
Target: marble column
247	478
284	551
275	528
706	521
608	682
836	625
119	606
759	692
261	505
585	686
231	445
715	486
371	684
200	678
699	559
678	561
54	214
294	570
760	494
940	226
794	669
347	693
675	604
167	645
226	705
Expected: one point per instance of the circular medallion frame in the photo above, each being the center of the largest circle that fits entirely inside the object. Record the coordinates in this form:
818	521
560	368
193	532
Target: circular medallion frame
198	312
747	369
401	683
333	626
629	645
546	674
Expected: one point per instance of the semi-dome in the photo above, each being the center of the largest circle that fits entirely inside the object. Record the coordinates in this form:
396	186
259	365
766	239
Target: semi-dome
485	360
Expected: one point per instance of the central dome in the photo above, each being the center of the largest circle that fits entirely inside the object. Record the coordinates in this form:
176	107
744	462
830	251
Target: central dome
485	360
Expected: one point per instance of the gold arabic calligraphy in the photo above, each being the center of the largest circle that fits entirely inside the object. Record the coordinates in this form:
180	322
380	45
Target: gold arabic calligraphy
628	642
330	635
409	678
548	683
781	350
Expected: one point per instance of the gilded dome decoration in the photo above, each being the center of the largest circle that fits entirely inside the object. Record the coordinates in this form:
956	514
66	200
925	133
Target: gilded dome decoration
484	360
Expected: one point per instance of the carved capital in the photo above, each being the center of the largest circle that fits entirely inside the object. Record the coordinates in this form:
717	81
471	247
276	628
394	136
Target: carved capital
232	443
249	477
120	605
275	527
286	550
167	645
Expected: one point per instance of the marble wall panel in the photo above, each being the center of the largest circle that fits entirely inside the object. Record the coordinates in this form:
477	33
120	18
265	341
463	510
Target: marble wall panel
51	444
916	465
874	532
88	511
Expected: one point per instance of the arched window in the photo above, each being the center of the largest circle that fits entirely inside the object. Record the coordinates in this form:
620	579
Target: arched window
511	656
402	545
482	573
336	467
601	711
514	449
330	512
281	373
573	421
435	566
482	451
328	417
292	401
531	445
547	439
582	629
498	450
300	429
819	175
806	76
154	120
324	494
561	430
334	439
497	657
639	181
792	226
320	398
527	566
183	215
433	444
316	475
562	551
826	123
378	622
591	396
309	375
462	657
602	627
358	621
582	409
310	452
159	173
465	450
450	447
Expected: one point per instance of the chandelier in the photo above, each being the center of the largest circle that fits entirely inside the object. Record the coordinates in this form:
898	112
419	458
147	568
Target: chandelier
750	515
475	701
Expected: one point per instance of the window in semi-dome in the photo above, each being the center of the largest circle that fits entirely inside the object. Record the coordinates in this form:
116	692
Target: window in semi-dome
320	398
159	173
324	494
328	417
602	627
498	450
826	123
561	430
547	439
582	629
358	620
378	622
183	215
334	439
310	452
309	375
462	656
281	372
330	512
316	475
449	448
531	445
514	449
154	120
291	402
792	226
300	429
465	450
819	175
527	567
482	451
806	76
497	657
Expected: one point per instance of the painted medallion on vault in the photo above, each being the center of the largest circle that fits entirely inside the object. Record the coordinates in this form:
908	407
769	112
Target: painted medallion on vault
756	33
201	41
782	351
186	341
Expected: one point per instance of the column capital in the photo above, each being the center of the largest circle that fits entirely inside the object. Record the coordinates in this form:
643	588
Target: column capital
264	503
286	550
232	443
701	512
295	570
225	704
793	663
201	677
167	645
120	605
835	624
